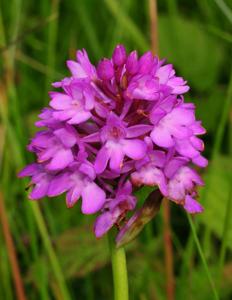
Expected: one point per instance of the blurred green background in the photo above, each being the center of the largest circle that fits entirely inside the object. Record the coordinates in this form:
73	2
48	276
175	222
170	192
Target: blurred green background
56	251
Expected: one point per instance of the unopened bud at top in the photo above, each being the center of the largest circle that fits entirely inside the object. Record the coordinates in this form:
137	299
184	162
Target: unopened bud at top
132	63
146	62
105	69
119	55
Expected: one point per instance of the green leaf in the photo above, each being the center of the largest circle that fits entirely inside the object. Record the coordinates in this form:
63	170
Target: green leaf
209	109
195	53
218	186
80	252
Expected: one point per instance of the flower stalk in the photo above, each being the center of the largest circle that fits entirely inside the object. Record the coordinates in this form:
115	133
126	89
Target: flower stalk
119	269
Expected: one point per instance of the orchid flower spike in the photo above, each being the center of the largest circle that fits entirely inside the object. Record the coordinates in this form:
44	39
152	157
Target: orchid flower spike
112	129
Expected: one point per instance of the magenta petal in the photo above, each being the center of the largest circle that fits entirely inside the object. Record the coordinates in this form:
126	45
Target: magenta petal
93	198
63	115
46	154
151	176
67	138
103	223
197	128
41	139
135	149
40	190
29	170
200	161
101	160
174	165
179	85
192	206
59	184
161	137
73	196
62	158
132	64
116	159
79	117
137	130
60	101
163	73
159	158
119	55
105	69
87	169
92	138
76	69
185	148
197	143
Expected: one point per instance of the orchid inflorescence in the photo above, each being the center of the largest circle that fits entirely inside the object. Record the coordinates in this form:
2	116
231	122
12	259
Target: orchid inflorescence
112	129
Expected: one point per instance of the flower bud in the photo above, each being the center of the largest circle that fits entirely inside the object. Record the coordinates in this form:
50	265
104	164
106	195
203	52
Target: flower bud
132	63
105	69
146	62
119	55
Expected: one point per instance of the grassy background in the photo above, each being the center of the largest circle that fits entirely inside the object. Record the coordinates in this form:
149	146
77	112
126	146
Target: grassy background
57	253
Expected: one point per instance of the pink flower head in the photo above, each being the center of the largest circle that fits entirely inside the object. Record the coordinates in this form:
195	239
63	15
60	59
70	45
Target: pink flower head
112	129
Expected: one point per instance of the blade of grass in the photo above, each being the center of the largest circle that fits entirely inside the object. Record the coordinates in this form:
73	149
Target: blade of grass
128	24
18	282
202	256
5	282
25	34
35	208
9	64
223	119
153	26
225	9
19	222
36	65
89	29
51	44
168	250
226	36
226	228
50	251
215	152
117	29
167	233
216	149
227	219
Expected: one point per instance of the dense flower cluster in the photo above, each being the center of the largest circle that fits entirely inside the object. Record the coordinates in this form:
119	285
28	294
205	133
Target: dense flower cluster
113	128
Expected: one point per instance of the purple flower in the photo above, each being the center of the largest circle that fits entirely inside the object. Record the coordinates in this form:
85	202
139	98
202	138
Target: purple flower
178	128
75	105
105	69
54	148
181	189
115	209
40	180
112	129
78	181
119	55
117	145
166	75
83	67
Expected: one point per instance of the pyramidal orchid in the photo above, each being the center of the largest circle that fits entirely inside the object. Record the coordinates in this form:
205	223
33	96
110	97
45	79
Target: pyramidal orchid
113	128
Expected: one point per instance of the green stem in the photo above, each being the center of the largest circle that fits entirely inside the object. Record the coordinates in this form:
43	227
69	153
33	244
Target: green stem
50	251
202	256
119	268
226	227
